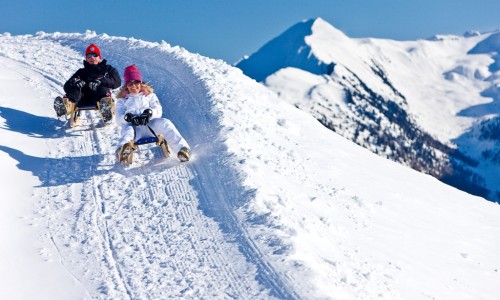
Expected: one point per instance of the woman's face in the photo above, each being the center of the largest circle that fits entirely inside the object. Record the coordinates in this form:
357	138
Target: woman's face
134	86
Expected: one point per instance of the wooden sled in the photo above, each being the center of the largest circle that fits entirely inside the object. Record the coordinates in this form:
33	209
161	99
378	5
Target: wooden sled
127	151
75	114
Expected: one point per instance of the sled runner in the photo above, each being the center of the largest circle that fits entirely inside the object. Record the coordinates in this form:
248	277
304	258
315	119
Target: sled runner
126	153
63	106
104	107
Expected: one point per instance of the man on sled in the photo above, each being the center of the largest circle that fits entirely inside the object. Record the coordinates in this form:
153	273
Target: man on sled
89	88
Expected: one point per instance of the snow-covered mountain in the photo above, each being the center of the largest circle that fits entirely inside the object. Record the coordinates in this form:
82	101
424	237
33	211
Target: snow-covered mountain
432	104
272	206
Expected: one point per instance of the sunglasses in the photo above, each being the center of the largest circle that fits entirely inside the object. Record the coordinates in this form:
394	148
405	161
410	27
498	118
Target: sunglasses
134	82
92	55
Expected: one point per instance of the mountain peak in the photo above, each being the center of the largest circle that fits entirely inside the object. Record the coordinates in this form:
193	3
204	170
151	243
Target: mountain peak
300	46
320	26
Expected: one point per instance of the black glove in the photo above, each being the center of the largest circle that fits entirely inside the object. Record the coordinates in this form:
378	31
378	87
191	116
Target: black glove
128	117
136	120
93	85
133	119
77	82
146	116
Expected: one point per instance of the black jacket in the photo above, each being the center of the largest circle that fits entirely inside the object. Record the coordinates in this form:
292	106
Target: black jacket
106	74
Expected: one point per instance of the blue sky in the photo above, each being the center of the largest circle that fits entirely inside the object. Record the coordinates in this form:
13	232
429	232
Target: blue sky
229	29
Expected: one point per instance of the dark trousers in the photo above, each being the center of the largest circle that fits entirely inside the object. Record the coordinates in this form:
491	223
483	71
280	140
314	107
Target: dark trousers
85	96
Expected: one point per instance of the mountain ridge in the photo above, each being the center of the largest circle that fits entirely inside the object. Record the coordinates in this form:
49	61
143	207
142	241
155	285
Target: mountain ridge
391	96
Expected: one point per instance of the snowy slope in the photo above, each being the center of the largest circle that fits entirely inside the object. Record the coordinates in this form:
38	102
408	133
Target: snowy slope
273	205
431	105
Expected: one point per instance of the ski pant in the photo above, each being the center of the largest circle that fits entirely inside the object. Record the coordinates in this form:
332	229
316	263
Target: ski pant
85	96
160	126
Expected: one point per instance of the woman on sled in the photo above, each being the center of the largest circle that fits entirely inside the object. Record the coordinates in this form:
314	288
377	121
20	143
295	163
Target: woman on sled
139	111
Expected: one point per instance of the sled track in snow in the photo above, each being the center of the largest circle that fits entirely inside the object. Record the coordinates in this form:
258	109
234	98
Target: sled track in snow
139	233
215	201
218	199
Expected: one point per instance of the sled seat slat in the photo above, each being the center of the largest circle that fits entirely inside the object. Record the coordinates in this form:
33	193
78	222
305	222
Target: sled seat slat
146	140
87	107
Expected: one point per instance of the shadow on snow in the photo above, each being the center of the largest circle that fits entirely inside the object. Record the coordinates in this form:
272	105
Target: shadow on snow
30	125
49	171
57	171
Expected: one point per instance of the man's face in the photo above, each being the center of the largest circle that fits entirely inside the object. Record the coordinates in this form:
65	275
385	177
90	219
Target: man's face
93	58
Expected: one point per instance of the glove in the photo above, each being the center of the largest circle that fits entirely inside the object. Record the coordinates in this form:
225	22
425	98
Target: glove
93	85
146	116
133	119
77	82
136	120
128	117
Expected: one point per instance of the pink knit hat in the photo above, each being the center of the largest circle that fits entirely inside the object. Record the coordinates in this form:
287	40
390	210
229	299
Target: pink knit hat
132	73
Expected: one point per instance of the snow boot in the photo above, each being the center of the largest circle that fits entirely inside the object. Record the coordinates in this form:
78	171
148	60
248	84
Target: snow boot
63	106
183	154
106	108
125	154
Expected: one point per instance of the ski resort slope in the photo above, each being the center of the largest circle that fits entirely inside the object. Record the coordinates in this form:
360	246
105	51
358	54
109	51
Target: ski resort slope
272	206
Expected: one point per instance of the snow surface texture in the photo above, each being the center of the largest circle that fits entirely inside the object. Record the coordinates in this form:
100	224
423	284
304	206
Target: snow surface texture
272	205
413	102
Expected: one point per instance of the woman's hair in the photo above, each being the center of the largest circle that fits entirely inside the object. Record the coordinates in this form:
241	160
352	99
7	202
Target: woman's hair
146	89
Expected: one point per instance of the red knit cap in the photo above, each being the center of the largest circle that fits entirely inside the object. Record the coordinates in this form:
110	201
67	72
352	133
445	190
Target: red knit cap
92	49
132	73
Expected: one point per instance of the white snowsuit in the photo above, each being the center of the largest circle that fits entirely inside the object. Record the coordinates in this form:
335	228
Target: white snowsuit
136	104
